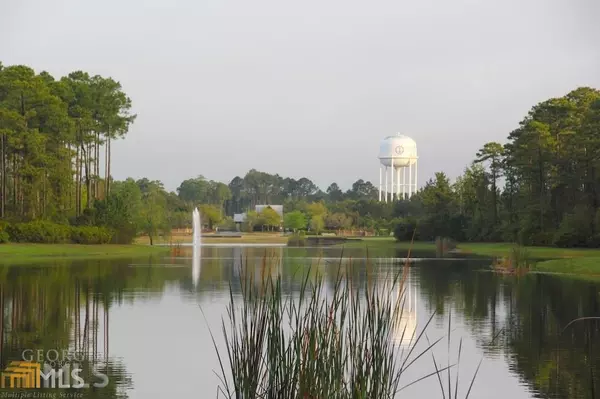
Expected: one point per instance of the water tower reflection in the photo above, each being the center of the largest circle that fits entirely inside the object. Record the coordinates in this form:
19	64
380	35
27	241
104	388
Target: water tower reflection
397	283
406	322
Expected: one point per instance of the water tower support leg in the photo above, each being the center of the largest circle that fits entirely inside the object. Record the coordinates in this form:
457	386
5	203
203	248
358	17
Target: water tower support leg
380	179
386	185
416	163
392	182
410	186
404	183
398	183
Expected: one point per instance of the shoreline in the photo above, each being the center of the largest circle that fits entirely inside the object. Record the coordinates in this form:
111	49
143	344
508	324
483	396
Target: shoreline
32	253
568	262
581	263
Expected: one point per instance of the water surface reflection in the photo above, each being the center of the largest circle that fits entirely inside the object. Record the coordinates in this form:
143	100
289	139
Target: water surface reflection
143	318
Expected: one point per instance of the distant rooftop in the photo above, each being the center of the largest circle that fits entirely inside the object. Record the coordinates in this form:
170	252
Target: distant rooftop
239	217
276	208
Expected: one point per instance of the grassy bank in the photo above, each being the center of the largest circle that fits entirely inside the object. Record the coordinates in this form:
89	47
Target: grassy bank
23	253
501	249
483	249
574	261
589	266
387	243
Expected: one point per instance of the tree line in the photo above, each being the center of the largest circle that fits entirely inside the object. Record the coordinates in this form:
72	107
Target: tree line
541	187
53	133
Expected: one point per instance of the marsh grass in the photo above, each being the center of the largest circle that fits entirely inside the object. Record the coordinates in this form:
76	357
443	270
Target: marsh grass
517	261
317	345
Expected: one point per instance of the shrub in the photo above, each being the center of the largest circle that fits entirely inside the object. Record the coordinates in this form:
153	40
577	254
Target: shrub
91	235
124	234
517	260
575	229
404	230
39	232
43	232
226	224
4	238
520	258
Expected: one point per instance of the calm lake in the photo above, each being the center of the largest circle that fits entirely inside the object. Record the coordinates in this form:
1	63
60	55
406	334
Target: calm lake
148	321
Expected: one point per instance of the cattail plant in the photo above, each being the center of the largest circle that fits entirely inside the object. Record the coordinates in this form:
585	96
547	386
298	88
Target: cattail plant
335	344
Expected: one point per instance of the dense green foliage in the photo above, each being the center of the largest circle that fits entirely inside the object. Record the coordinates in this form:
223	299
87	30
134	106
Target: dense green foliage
52	133
551	194
540	188
43	232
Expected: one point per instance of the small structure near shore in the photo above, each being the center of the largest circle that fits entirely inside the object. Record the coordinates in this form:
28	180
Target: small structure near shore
239	218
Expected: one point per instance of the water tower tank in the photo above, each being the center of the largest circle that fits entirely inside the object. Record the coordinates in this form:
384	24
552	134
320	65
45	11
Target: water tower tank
400	149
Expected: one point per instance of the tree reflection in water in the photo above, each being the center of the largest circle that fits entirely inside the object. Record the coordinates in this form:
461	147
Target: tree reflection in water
68	306
523	320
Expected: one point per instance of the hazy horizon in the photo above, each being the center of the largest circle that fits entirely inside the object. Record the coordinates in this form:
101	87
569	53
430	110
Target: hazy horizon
310	89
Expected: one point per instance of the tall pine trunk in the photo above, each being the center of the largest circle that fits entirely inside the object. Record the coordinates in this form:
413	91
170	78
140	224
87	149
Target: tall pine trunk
77	184
97	163
108	168
88	182
15	185
495	199
2	175
541	193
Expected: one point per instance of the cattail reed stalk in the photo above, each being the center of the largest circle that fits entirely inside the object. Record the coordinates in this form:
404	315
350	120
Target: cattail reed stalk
337	345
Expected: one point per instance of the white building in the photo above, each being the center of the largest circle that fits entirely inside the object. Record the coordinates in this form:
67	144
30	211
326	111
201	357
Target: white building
239	218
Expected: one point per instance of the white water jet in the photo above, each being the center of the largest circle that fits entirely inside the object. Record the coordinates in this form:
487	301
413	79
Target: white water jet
196	228
197	246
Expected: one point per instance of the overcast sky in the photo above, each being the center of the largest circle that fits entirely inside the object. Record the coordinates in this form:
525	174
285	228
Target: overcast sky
310	87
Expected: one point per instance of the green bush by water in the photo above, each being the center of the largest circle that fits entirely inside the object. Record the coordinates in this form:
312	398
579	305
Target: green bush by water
520	257
39	232
91	235
4	237
43	232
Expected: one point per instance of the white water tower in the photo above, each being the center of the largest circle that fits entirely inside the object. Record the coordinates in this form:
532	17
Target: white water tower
398	158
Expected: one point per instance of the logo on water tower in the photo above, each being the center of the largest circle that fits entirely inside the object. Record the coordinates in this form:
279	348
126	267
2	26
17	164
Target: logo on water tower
399	150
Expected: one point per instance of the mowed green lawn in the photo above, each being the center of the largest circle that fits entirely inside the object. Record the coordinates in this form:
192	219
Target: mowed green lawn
484	249
22	253
554	260
579	261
